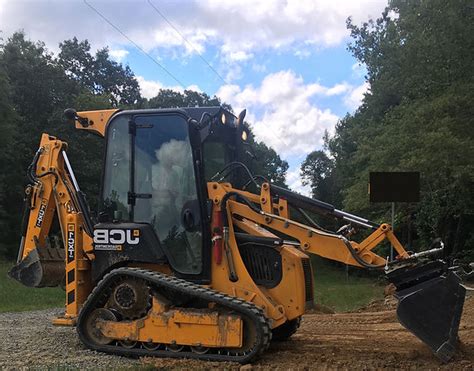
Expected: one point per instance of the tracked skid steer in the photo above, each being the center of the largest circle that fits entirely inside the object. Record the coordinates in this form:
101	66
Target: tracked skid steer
191	255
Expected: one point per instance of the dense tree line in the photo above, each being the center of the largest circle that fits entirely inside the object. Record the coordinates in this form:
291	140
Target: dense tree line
417	116
36	87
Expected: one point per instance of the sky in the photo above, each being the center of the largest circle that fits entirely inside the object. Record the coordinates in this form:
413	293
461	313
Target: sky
284	61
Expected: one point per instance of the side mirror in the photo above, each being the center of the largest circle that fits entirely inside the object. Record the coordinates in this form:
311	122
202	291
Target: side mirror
71	116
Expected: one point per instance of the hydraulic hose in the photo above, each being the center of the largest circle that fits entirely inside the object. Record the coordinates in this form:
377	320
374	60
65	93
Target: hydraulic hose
357	258
346	242
255	178
232	166
31	171
311	221
238	196
56	178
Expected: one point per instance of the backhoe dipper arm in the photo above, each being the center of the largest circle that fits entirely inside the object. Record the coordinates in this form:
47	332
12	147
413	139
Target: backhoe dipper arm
53	189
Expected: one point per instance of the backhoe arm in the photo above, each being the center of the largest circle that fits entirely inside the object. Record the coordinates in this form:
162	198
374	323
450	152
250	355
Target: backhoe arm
54	190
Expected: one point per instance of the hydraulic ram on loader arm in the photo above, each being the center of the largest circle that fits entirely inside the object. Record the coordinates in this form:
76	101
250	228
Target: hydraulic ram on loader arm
430	295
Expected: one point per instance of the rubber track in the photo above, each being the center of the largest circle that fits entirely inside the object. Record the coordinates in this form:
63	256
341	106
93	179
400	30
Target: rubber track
158	280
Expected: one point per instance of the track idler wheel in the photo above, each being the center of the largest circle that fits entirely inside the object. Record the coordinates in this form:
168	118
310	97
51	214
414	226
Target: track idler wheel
131	298
92	329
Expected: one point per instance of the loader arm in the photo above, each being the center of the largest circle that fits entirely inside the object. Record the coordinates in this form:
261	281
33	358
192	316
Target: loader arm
430	295
275	216
53	190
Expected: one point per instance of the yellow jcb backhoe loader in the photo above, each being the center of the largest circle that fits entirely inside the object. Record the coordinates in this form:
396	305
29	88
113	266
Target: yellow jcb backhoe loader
193	256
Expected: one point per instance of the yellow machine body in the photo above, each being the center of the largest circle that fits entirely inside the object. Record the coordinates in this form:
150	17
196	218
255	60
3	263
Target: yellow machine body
140	307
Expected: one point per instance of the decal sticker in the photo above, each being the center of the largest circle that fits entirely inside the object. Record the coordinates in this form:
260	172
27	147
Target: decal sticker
41	213
71	242
114	239
108	247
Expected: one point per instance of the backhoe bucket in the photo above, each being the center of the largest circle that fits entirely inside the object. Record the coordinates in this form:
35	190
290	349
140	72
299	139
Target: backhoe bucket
431	300
42	267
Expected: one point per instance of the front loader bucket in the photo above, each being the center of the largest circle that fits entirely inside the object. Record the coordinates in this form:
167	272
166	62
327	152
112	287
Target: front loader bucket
42	267
431	301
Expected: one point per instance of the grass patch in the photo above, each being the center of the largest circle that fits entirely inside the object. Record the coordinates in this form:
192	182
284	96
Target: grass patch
17	298
333	288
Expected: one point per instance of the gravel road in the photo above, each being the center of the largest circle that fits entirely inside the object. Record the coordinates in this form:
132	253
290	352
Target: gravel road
28	339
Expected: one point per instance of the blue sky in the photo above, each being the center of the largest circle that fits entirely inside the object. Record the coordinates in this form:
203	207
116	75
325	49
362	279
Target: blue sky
285	61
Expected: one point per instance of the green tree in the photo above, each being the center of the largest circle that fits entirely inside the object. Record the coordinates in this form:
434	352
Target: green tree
167	98
39	90
317	171
8	119
267	162
416	116
36	87
99	74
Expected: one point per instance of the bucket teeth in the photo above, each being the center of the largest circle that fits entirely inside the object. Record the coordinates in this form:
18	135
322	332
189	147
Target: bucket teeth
431	300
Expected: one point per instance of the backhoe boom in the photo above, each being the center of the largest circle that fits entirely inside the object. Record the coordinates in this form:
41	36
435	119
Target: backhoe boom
54	190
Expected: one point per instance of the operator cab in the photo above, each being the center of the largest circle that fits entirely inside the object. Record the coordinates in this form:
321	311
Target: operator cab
154	204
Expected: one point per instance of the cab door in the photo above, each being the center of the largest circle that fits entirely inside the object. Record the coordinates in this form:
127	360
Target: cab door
165	187
154	183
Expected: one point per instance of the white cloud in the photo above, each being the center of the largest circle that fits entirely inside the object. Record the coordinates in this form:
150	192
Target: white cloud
338	89
253	24
118	54
234	72
293	179
354	98
150	88
259	67
282	113
302	53
358	70
242	27
239	56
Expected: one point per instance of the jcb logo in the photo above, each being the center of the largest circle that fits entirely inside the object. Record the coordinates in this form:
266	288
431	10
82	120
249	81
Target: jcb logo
116	236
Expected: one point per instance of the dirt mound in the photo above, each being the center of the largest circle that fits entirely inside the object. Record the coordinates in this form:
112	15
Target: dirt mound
388	303
361	340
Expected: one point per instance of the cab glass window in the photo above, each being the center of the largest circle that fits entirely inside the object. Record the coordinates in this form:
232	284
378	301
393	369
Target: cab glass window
166	190
117	170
